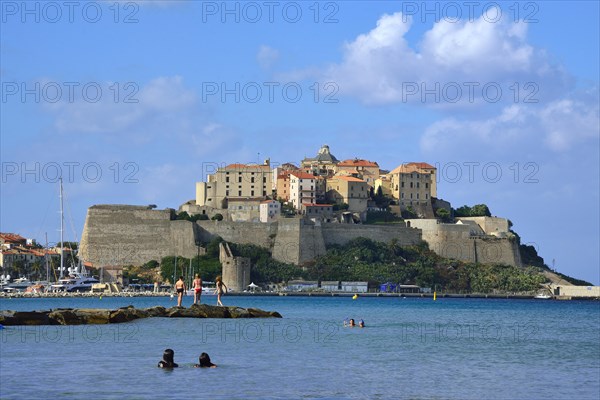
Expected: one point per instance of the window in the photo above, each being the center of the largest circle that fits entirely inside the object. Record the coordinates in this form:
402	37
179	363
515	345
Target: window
240	179
417	196
402	196
252	179
240	193
252	193
426	185
401	184
226	179
411	196
426	196
417	185
227	193
264	179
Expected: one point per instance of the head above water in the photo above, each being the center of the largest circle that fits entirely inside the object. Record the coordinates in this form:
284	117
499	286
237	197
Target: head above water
204	360
169	355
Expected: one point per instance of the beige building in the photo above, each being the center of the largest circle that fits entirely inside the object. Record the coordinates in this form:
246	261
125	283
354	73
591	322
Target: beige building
270	210
303	189
235	181
321	212
349	190
244	210
413	185
368	171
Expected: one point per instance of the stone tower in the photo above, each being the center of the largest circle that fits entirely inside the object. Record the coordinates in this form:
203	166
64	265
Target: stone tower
236	270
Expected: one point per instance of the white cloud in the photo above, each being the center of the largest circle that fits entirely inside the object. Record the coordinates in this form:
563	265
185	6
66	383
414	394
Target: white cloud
559	125
124	110
267	56
379	66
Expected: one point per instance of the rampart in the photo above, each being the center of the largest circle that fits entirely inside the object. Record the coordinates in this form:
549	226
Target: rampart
124	234
457	241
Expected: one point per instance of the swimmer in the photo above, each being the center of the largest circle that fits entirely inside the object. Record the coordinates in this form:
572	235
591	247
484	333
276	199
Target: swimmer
167	361
351	324
361	323
205	362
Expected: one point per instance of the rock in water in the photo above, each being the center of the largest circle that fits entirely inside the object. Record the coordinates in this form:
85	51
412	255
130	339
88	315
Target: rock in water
74	316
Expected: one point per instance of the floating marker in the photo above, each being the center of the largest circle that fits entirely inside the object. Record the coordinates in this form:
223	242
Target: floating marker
355	297
434	295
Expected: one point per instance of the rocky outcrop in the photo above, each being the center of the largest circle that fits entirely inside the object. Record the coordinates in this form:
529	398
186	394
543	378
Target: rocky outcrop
82	316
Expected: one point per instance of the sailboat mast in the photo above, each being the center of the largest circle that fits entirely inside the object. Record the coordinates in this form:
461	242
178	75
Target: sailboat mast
47	267
62	222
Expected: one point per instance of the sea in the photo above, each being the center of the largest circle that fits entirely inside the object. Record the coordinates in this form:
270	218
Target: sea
410	348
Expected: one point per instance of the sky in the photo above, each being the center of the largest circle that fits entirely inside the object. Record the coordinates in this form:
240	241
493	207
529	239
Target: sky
132	102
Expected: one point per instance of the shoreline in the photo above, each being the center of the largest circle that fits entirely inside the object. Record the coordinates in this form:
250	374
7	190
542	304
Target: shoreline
299	294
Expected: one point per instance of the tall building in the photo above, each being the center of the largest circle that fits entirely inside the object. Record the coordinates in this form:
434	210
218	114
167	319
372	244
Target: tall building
235	181
303	189
413	185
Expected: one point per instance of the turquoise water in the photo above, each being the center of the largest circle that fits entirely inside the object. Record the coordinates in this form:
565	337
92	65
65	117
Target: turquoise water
410	349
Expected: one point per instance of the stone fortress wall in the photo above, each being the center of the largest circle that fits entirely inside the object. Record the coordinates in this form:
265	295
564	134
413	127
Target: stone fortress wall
122	235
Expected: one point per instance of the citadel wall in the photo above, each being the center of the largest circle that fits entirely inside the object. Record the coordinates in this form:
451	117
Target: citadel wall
122	235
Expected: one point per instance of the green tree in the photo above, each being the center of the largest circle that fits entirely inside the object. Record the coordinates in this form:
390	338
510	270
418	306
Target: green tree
443	214
480	210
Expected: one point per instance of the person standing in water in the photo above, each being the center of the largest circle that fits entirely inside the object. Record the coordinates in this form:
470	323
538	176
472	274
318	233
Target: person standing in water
197	286
221	289
180	288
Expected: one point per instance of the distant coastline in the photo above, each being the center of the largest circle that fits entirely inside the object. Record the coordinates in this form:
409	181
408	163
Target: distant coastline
301	294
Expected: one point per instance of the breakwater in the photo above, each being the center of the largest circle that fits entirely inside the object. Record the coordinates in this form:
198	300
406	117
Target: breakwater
83	316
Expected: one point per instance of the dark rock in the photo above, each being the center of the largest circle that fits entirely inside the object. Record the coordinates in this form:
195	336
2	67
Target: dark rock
65	316
238	312
70	316
92	315
157	311
256	313
182	312
8	317
127	314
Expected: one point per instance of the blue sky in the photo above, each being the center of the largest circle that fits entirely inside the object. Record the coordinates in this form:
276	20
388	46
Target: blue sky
135	101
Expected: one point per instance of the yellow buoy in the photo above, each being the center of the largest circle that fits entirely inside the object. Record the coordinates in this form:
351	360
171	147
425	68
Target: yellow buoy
434	295
355	297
